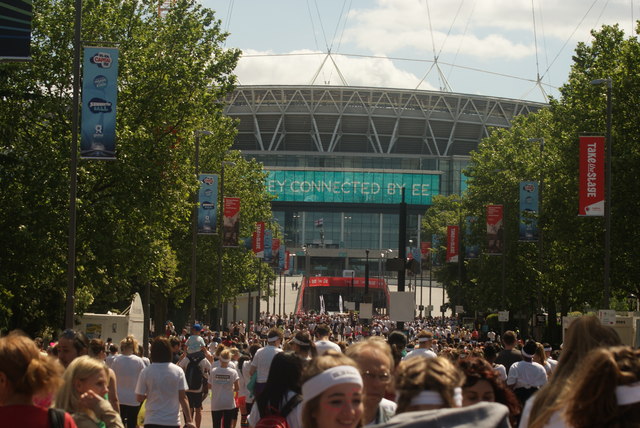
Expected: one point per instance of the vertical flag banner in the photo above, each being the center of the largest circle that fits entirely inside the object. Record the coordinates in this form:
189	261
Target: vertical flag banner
435	255
453	249
287	261
282	258
416	254
207	204
275	252
99	97
471	250
268	242
591	180
425	248
495	229
258	240
231	222
319	222
528	211
15	29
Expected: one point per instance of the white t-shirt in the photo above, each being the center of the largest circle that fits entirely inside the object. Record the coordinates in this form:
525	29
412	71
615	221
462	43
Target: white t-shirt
420	352
205	368
161	383
221	381
525	374
502	371
323	346
294	418
262	361
246	368
127	369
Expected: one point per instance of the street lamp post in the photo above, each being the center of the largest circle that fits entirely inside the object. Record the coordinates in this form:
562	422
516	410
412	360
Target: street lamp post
540	231
366	275
194	244
607	195
219	310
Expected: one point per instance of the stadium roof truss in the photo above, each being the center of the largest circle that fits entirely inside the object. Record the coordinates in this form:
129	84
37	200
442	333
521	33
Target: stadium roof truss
330	119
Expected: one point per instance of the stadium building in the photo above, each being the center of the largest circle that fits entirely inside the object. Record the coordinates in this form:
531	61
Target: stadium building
337	158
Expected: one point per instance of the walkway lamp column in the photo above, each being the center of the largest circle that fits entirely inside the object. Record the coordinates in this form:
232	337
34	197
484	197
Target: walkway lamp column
607	194
217	323
540	230
194	244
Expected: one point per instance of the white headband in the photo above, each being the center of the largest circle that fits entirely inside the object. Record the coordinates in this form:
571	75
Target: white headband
224	360
524	354
425	339
628	394
273	339
548	349
433	398
300	342
328	378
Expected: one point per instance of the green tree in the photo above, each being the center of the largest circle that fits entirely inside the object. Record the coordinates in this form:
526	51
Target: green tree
134	214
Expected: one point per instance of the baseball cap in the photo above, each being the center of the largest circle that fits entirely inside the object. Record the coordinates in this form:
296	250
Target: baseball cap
197	327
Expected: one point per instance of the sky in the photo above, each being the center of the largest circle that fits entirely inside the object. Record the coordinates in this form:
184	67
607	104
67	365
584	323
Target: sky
520	49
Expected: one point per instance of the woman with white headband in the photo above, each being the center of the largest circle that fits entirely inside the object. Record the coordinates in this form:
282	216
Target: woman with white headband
425	341
606	390
223	383
332	393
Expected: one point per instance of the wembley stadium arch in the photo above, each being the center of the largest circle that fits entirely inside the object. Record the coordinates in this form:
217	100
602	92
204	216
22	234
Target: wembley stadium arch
337	158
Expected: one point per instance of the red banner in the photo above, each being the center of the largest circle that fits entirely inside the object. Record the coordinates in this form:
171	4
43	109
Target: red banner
591	183
453	249
231	222
287	260
425	248
258	239
495	229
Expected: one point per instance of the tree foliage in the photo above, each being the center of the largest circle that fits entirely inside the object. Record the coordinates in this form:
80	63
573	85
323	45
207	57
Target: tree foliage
134	214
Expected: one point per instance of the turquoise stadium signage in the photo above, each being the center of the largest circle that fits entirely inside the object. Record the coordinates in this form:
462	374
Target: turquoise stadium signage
365	187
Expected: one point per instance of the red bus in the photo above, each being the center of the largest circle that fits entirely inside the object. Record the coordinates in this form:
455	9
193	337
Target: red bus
331	288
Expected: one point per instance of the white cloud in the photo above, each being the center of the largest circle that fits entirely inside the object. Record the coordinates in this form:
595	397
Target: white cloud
300	68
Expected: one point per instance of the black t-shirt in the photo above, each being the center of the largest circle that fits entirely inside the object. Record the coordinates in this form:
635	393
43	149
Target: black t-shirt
506	358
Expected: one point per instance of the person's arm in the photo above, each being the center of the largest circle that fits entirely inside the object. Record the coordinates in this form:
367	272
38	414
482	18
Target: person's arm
236	386
184	404
102	409
113	391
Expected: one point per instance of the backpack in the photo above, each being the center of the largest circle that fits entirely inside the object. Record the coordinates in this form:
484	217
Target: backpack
278	419
193	373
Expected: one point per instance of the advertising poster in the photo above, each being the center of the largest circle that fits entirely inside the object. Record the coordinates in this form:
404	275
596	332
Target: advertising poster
275	252
268	246
15	29
258	240
453	249
435	255
207	204
283	258
591	179
231	222
99	97
425	248
528	228
471	248
287	263
495	229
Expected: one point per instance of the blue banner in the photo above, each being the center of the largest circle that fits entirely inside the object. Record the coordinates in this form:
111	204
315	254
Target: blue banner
268	246
436	259
529	211
207	204
471	250
281	257
358	186
99	97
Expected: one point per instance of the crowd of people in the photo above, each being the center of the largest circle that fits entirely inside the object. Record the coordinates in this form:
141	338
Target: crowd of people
323	372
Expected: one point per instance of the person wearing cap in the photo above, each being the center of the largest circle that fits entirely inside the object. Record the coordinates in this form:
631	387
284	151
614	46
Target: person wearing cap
332	392
526	376
424	339
261	363
195	342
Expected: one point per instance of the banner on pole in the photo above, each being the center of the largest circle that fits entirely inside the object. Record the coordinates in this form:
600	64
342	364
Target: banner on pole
287	261
435	255
471	250
453	249
495	229
231	222
99	98
15	30
258	240
591	182
268	246
275	252
282	258
207	204
425	248
528	211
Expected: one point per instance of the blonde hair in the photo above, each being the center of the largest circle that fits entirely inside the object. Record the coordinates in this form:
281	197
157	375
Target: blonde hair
375	343
225	354
129	343
592	399
427	374
316	366
584	334
27	370
540	354
81	368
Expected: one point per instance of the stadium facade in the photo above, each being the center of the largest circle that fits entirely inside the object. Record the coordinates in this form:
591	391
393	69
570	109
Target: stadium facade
337	158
